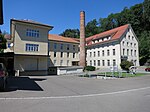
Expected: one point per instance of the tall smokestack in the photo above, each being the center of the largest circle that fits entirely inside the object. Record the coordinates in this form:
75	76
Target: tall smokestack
82	39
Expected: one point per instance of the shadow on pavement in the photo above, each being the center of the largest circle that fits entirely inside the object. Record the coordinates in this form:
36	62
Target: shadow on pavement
23	83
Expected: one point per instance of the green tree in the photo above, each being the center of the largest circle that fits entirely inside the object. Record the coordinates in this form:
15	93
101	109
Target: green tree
125	65
73	33
145	44
92	28
146	6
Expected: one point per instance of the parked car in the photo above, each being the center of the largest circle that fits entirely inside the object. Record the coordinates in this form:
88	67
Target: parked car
3	76
147	69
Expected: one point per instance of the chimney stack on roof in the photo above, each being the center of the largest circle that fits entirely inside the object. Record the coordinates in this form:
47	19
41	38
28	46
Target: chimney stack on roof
82	39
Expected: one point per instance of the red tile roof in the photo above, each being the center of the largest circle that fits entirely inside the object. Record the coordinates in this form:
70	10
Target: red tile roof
115	34
63	39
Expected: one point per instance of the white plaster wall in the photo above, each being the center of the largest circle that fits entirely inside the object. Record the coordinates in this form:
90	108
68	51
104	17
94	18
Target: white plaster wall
109	46
135	46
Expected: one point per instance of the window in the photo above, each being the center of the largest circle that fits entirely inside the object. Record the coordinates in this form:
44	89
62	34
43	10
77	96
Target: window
54	54
127	43
32	47
98	62
131	52
67	62
54	62
108	62
94	62
127	52
61	54
134	45
67	54
73	55
134	52
94	54
98	53
68	46
132	38
90	54
114	52
135	61
74	47
114	62
61	46
61	62
32	33
55	45
129	37
123	43
131	44
103	52
108	53
103	62
123	51
90	62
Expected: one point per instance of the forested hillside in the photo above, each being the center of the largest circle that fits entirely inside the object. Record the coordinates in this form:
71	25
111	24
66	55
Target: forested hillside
139	18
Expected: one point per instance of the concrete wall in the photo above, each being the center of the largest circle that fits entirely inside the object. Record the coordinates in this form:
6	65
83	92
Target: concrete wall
20	39
29	60
27	63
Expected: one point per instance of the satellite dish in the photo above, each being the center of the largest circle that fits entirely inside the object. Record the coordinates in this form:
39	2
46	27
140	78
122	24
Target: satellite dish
11	45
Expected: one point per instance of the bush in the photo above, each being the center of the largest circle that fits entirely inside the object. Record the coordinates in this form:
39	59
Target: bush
125	65
89	68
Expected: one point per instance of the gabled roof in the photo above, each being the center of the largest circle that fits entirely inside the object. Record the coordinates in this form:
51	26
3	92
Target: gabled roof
31	22
115	34
53	37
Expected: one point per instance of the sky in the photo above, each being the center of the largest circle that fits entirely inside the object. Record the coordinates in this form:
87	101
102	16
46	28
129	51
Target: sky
62	14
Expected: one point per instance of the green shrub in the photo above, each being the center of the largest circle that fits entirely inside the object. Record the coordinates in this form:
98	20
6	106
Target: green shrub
89	68
125	65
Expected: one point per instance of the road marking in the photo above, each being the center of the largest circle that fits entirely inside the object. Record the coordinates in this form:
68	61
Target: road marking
77	96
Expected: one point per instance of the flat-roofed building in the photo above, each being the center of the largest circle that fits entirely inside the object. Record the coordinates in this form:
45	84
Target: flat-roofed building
30	45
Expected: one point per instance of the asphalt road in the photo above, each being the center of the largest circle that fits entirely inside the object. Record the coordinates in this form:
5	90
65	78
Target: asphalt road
76	94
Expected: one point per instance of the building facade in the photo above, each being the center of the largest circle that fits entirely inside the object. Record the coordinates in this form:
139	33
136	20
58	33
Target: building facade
30	45
110	48
35	49
63	51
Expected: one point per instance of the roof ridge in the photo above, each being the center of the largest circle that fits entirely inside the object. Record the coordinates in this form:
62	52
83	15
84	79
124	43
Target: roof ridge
115	34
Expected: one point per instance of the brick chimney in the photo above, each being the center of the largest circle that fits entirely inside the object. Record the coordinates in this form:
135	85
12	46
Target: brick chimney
82	39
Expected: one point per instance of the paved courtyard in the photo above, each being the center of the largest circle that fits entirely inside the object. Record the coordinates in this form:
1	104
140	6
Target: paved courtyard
76	94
